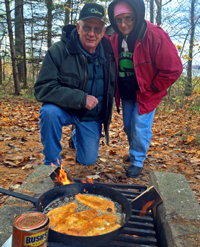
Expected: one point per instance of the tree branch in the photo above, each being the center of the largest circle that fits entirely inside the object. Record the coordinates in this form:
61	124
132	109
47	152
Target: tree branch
166	3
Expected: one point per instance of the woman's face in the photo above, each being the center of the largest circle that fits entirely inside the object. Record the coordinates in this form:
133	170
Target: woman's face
125	23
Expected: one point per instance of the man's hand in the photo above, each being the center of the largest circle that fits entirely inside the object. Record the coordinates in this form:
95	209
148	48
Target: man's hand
91	102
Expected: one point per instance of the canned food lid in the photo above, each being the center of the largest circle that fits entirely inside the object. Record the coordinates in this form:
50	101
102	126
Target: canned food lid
30	221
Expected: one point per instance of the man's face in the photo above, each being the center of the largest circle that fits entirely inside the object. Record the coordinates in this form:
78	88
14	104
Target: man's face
125	23
90	33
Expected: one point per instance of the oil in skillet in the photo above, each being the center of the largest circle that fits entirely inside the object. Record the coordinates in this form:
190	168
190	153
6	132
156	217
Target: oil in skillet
80	207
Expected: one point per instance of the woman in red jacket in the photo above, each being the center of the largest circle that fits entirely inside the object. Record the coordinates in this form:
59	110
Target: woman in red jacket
148	64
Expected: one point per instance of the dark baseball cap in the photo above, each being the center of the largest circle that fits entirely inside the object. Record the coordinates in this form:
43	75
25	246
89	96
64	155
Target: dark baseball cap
92	10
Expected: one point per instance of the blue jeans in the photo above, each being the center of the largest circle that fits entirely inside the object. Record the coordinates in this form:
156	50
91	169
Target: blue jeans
86	138
138	130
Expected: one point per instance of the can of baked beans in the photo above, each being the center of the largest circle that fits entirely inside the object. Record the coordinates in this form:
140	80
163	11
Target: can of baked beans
30	229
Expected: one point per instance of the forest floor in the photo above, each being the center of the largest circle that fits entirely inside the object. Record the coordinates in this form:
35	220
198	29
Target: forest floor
175	148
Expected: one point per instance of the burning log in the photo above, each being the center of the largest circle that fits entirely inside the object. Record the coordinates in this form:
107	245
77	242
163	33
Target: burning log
146	200
60	177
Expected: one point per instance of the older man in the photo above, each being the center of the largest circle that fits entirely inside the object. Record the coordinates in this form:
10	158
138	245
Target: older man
76	85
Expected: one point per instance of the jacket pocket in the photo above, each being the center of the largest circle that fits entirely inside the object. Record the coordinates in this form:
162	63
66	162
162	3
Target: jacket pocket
70	80
145	73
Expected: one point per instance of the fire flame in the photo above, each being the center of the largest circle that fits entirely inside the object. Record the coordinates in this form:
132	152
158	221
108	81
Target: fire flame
89	181
144	208
62	177
135	236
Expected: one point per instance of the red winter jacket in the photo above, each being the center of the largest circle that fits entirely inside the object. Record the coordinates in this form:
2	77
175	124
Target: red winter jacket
157	65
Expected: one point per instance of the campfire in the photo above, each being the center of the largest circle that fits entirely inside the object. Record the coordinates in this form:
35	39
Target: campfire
134	206
144	202
60	177
142	228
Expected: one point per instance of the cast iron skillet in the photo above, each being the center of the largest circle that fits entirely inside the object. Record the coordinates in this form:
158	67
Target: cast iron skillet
71	190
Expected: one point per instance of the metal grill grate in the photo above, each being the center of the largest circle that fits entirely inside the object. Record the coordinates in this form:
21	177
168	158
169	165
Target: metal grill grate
139	231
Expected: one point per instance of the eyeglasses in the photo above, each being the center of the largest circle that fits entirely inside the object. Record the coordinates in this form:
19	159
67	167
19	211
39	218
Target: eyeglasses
87	29
126	20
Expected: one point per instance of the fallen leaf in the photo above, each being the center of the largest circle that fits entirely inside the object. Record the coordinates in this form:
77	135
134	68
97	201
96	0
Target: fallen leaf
14	187
9	163
153	144
172	145
103	160
28	166
195	160
190	138
93	177
69	158
11	145
112	152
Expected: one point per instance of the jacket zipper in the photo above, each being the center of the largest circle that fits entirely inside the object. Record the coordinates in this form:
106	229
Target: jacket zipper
108	87
137	97
85	63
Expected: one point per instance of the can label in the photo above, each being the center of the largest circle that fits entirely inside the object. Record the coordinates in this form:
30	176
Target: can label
30	230
36	239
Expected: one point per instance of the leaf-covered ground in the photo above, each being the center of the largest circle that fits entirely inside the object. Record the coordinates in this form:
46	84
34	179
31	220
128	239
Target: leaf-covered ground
174	148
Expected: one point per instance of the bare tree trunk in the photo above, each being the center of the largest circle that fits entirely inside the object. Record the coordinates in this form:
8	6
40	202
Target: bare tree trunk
152	11
32	67
74	12
67	11
1	71
49	22
159	7
18	37
12	49
24	60
32	50
4	74
188	85
1	67
3	58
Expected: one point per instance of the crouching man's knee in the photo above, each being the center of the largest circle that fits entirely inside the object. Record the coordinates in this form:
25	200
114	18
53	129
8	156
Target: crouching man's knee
86	160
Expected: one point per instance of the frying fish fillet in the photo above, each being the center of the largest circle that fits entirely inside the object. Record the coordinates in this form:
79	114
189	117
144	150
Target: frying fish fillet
73	224
100	225
57	214
95	202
